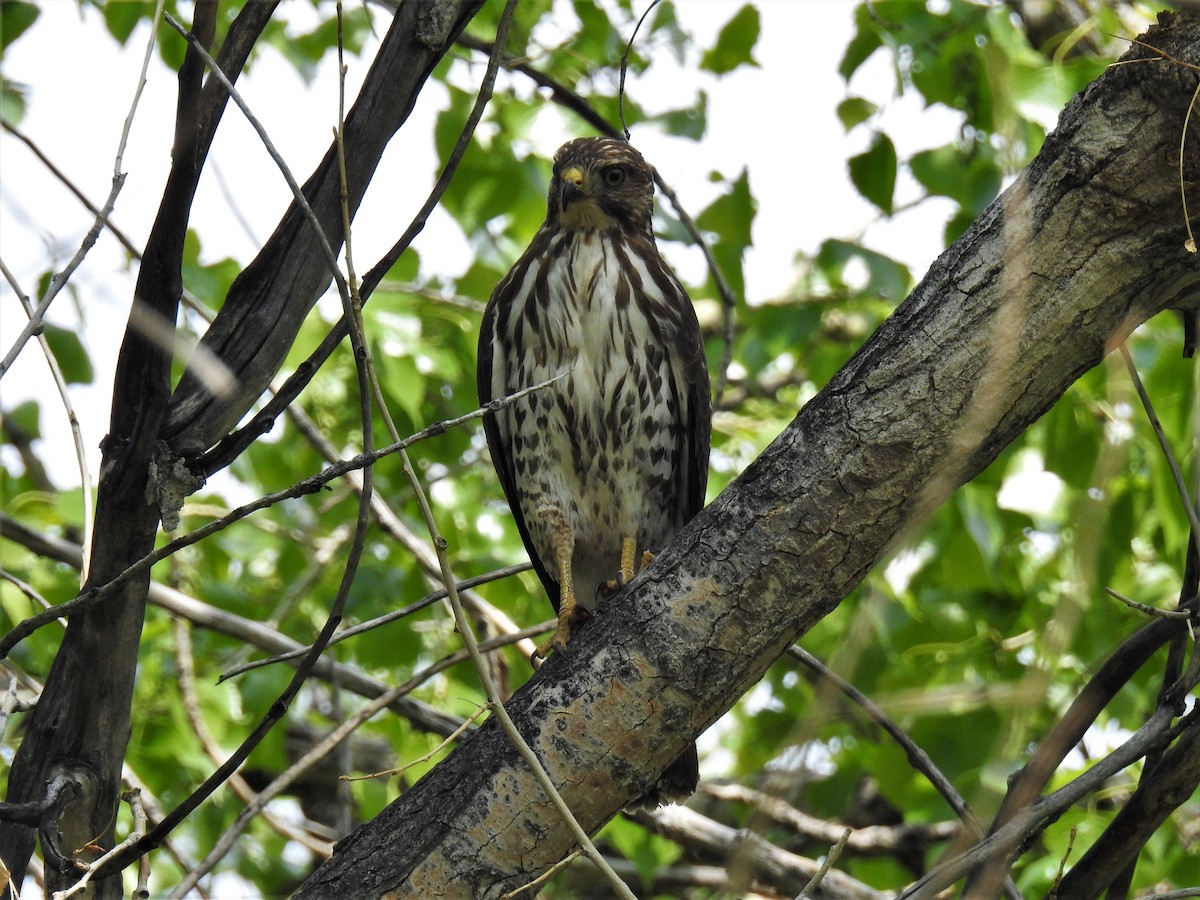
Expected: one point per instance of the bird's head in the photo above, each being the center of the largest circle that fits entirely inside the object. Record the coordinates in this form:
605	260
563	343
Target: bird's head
599	184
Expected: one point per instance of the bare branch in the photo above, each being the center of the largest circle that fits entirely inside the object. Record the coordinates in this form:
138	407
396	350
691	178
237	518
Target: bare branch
61	278
60	383
1032	819
203	615
310	485
759	860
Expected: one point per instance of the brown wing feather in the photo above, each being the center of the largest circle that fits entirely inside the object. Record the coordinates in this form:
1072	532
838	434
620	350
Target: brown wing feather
501	299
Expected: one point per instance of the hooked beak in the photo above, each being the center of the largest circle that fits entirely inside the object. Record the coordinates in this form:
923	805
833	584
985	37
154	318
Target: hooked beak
572	188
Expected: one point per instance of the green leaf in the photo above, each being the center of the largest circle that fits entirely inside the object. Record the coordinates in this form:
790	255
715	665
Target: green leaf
885	277
730	217
123	18
866	41
735	43
12	100
690	122
25	417
647	851
874	172
854	111
970	177
15	17
72	357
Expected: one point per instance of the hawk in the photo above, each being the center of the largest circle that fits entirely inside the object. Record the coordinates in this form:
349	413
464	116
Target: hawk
603	466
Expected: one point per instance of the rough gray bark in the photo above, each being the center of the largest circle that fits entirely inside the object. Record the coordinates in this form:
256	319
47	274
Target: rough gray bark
1085	245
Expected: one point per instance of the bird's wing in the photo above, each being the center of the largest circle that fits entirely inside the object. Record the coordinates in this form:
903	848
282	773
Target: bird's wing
491	386
690	381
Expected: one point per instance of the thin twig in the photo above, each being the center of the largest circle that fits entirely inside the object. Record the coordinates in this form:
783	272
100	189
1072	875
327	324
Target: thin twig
59	280
1153	611
71	186
826	864
424	757
182	646
133	798
25	588
379	621
306	486
60	384
625	66
1189	507
428	293
545	876
917	757
1052	894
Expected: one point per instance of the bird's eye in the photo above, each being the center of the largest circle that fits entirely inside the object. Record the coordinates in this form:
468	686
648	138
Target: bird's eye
614	176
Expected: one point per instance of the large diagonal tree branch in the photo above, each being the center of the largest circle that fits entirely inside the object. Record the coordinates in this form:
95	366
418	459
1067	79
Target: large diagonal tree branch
1087	244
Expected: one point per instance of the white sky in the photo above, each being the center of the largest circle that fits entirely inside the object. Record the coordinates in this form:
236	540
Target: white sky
779	121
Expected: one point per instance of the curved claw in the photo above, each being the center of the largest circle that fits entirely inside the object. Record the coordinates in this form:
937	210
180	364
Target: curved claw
569	616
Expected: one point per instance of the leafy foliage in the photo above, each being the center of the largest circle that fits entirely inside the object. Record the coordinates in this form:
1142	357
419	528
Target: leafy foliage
974	637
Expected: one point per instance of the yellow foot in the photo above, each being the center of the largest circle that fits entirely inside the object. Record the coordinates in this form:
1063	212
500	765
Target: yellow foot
628	549
647	558
570	616
626	573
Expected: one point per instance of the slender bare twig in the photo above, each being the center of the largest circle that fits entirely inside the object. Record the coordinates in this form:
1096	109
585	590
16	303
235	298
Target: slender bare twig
625	66
545	876
757	859
826	864
917	757
307	486
35	324
1028	822
870	840
182	646
1189	507
25	588
424	757
371	624
1152	611
70	186
133	798
60	384
427	293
